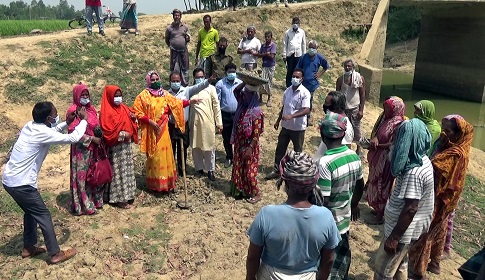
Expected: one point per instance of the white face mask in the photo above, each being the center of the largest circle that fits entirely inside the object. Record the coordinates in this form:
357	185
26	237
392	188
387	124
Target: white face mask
348	73
118	100
295	82
84	101
57	120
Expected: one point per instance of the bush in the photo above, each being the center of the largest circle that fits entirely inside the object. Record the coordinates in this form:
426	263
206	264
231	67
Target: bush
404	24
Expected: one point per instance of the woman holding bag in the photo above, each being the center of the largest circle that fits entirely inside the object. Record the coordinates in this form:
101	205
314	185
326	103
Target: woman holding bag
119	130
85	198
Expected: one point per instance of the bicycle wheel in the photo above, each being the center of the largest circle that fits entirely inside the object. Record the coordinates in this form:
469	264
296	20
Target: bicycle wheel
83	23
73	24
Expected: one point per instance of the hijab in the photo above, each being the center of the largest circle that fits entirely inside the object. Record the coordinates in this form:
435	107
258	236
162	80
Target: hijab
154	92
428	117
92	117
249	110
411	144
115	118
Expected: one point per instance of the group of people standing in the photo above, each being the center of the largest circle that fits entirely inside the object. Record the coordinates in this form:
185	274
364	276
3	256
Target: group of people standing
417	171
416	167
128	20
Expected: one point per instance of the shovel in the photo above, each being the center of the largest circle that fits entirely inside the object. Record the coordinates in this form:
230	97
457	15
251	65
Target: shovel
183	204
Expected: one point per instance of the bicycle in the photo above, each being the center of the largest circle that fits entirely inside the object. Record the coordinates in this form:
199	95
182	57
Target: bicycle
80	21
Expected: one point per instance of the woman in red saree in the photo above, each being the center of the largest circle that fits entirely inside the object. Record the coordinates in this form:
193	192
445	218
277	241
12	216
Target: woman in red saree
380	179
248	127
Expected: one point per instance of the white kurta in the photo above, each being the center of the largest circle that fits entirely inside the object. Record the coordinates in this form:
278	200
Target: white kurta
204	117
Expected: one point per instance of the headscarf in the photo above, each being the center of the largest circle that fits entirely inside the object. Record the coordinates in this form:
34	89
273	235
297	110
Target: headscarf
299	172
428	117
397	103
333	125
411	144
92	118
450	162
251	111
154	92
115	118
388	123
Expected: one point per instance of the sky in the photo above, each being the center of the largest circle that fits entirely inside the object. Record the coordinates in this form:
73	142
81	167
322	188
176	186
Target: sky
143	6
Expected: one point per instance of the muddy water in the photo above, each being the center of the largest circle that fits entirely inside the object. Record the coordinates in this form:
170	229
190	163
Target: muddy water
400	84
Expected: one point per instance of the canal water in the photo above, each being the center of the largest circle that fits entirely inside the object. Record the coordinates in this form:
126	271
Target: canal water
400	84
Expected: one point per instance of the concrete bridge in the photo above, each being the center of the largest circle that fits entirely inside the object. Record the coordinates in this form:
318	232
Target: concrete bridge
450	59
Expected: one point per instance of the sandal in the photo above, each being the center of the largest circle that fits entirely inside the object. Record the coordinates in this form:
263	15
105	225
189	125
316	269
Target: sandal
66	254
32	251
253	200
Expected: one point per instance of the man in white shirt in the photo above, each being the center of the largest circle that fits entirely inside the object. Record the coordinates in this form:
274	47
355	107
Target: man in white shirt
294	46
249	49
20	175
352	84
296	105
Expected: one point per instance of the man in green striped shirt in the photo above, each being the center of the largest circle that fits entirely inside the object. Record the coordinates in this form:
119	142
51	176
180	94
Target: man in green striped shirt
340	171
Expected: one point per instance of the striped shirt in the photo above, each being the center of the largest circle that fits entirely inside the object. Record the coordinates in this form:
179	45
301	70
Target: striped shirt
417	183
339	169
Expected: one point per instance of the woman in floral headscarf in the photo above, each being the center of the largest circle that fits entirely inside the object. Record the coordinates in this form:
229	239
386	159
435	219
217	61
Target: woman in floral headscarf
85	199
450	157
152	108
248	127
119	130
380	180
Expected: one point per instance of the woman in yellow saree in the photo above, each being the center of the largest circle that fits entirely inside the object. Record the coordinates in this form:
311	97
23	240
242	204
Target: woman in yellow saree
152	107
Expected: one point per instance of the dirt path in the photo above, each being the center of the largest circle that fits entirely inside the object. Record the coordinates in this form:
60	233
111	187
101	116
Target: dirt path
207	242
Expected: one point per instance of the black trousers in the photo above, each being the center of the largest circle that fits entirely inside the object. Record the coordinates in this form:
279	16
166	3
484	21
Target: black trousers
233	3
291	62
35	213
284	138
227	125
175	136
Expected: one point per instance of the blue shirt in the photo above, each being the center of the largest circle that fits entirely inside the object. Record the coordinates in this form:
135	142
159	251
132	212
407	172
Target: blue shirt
225	92
310	66
292	238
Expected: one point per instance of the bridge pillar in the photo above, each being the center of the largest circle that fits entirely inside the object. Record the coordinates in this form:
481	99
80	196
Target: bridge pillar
450	58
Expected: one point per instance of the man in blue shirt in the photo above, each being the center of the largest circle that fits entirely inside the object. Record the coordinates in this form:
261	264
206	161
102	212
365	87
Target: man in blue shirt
225	88
311	63
293	240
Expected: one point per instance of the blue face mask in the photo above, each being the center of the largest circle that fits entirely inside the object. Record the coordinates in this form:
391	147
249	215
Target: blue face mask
231	76
198	80
312	51
175	85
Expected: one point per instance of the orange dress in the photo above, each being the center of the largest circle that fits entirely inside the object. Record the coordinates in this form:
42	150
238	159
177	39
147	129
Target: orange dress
161	171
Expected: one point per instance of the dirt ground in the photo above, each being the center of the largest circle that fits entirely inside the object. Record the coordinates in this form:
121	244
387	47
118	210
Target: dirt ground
206	242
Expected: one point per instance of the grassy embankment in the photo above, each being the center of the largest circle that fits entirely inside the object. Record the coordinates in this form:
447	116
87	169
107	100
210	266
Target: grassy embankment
19	27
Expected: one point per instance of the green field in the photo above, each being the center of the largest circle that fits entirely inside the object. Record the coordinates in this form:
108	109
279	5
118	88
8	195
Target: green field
19	27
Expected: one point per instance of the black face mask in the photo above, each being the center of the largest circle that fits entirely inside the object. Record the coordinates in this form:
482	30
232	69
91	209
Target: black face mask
326	109
222	50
